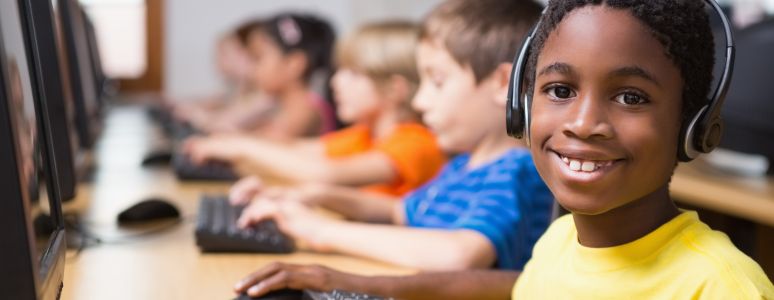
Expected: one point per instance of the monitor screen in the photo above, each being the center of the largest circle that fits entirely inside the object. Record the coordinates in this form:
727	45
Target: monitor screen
28	188
53	95
81	71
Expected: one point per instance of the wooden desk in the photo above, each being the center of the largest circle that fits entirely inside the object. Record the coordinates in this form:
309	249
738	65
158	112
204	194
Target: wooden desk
166	265
748	198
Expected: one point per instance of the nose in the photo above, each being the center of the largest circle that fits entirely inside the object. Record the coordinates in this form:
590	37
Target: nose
588	118
421	101
336	78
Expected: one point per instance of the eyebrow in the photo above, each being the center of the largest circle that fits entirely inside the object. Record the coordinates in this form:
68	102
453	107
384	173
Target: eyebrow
636	72
557	67
566	69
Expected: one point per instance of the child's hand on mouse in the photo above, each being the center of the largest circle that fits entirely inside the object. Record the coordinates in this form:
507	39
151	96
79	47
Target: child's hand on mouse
277	276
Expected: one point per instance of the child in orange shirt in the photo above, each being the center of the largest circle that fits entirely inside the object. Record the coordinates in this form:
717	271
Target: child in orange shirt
386	149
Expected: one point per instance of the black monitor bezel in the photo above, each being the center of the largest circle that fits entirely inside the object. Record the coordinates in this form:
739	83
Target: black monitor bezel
26	276
81	71
43	49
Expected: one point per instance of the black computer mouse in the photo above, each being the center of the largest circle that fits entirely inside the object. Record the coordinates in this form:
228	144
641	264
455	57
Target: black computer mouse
148	210
282	294
157	158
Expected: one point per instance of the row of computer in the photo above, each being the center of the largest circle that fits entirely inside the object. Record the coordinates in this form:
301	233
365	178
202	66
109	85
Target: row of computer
52	92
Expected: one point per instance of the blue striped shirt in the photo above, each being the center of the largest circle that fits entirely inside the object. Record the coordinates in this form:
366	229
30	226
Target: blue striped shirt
505	200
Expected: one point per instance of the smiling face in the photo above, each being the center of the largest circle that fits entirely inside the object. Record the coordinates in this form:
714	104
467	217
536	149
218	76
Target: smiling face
605	112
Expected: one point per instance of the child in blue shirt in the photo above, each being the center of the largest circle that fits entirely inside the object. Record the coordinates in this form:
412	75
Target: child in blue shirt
486	208
504	199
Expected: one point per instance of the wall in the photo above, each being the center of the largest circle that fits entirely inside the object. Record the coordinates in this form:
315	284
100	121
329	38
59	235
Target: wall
193	26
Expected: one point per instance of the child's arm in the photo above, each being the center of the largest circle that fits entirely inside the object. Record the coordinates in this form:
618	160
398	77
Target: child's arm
294	120
429	249
269	159
353	204
471	284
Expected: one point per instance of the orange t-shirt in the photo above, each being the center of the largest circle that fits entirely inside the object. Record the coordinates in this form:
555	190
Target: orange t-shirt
411	147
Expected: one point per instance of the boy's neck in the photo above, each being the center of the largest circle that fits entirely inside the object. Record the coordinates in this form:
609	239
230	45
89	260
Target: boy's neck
627	223
491	148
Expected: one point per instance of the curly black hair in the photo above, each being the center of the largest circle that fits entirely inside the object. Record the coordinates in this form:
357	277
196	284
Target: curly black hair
681	26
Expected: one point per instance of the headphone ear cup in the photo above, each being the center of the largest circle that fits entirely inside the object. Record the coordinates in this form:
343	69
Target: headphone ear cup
711	136
688	148
515	117
512	112
516	122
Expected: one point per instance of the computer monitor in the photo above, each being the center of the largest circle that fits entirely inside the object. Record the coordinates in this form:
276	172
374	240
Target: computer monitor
102	81
32	266
47	70
81	71
748	110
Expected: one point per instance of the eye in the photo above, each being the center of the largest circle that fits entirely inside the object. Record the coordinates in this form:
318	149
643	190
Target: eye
631	98
560	92
437	80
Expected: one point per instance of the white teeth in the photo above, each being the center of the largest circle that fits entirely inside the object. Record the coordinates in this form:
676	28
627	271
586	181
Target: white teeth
585	165
575	165
588	166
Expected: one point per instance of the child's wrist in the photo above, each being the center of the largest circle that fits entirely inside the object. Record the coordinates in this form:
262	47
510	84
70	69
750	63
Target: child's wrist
322	238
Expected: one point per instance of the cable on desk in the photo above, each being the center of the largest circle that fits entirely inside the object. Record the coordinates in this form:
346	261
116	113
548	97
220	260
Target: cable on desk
81	236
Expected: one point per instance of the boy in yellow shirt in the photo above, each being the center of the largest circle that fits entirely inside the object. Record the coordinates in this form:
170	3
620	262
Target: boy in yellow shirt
613	86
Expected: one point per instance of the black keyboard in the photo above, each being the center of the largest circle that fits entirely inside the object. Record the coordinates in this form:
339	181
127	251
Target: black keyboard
339	295
217	231
180	131
185	169
174	129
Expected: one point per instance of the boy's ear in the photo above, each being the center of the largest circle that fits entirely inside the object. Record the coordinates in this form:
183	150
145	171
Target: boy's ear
501	78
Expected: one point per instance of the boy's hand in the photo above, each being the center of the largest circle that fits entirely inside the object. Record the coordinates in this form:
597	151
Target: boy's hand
244	190
293	218
222	148
279	275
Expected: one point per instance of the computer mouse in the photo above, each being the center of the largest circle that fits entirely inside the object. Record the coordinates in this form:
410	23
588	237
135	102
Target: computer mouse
282	294
148	210
157	157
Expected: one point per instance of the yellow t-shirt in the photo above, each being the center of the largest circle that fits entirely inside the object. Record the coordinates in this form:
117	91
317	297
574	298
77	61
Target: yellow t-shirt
682	259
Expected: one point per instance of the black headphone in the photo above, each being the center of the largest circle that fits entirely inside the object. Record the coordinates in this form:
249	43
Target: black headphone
701	135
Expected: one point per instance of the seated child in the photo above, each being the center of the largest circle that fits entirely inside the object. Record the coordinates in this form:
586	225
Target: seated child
386	149
286	52
612	83
241	106
488	206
